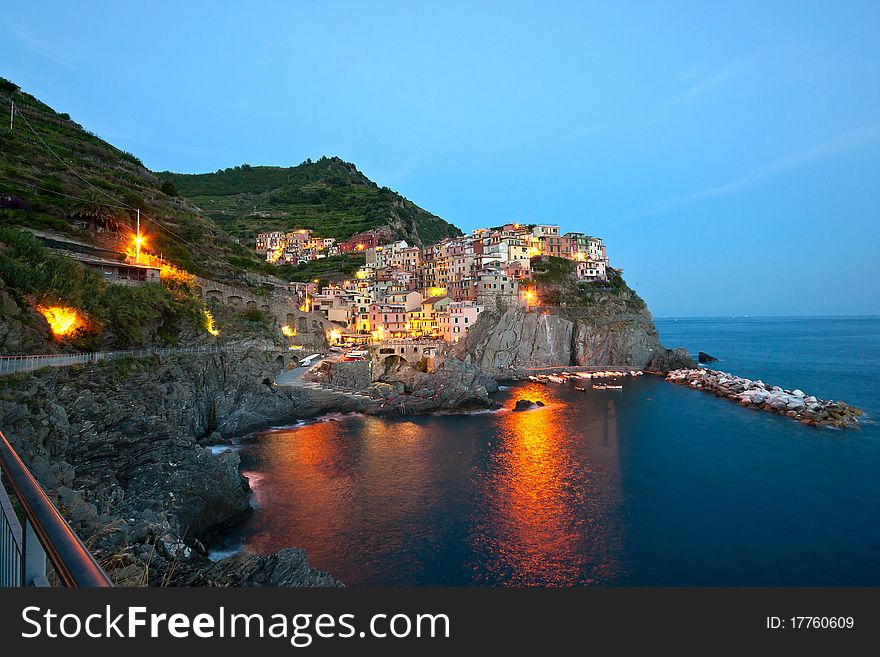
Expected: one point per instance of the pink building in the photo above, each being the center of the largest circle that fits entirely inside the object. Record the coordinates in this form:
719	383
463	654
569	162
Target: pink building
390	317
462	316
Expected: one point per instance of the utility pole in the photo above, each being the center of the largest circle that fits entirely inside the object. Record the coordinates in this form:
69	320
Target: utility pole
11	112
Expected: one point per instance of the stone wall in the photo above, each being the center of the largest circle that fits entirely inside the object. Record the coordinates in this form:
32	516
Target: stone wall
350	375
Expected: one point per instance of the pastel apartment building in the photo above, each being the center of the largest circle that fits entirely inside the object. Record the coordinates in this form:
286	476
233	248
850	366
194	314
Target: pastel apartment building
439	290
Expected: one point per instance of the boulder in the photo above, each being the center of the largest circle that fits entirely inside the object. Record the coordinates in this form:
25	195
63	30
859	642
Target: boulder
703	357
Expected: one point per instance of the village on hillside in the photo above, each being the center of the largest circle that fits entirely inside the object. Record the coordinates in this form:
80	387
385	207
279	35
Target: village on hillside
436	291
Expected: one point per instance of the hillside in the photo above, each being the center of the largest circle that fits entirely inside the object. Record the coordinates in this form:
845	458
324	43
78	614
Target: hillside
54	174
329	196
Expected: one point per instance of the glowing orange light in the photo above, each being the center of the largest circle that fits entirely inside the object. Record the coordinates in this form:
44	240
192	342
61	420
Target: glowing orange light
288	330
334	336
167	271
210	327
63	321
360	247
138	240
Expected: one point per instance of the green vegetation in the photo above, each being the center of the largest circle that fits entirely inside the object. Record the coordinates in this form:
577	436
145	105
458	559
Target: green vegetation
60	178
330	268
329	196
557	285
550	269
91	181
255	315
119	315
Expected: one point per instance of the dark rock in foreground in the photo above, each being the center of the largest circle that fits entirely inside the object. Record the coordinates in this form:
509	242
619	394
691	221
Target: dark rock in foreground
527	405
117	446
287	567
703	357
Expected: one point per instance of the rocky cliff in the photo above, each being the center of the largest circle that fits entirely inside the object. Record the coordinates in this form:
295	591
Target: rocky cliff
400	388
572	324
118	446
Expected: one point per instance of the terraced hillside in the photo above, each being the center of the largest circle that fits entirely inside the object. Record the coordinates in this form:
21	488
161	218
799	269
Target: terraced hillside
54	174
329	196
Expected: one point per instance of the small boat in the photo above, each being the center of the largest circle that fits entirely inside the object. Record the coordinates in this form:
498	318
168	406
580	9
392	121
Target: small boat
535	379
555	379
614	387
580	388
599	387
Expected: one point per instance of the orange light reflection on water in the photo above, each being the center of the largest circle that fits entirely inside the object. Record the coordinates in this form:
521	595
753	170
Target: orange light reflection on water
364	489
539	532
532	497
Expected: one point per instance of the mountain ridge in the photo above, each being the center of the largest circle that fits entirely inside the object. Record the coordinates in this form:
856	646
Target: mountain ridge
329	196
53	171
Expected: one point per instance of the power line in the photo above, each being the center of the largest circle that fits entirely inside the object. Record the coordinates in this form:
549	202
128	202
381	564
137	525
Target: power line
71	196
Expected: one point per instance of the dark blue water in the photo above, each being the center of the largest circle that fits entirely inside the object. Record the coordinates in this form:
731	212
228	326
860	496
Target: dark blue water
655	484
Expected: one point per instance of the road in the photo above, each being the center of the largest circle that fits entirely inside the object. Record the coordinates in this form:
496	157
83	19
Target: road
294	377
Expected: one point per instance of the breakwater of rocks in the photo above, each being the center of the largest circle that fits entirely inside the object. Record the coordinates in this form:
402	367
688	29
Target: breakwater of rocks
756	394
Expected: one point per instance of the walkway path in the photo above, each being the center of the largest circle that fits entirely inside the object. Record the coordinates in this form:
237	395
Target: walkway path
12	364
294	378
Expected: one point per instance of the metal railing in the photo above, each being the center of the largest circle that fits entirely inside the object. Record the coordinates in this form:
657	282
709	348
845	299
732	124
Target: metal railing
11	364
45	536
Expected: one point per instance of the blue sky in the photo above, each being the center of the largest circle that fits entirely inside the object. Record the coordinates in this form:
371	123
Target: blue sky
729	153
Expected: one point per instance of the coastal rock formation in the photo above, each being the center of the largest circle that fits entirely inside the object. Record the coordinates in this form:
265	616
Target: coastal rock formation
756	394
703	357
502	343
572	323
454	384
526	405
287	567
116	445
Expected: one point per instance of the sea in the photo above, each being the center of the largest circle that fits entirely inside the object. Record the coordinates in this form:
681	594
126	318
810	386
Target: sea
652	485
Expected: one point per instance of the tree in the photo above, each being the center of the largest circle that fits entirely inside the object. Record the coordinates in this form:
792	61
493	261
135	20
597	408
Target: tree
7	86
94	208
169	188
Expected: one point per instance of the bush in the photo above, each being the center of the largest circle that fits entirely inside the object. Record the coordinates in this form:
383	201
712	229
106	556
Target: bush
8	87
127	314
169	188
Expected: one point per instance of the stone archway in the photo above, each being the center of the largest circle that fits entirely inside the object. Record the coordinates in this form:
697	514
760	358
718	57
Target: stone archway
393	361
